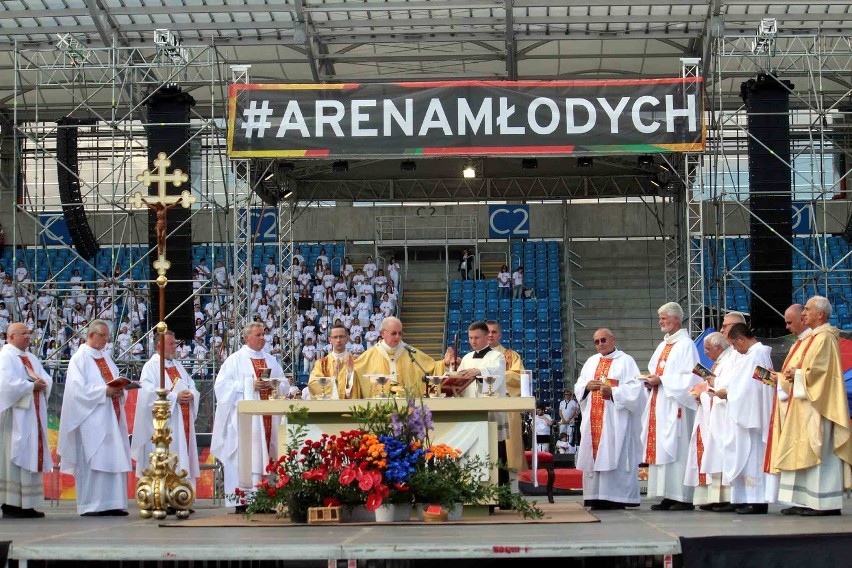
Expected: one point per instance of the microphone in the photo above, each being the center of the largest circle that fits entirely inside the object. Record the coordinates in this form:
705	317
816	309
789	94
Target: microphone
411	350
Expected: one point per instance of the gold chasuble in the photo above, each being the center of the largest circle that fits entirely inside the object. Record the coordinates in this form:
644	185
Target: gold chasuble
396	362
259	365
651	447
800	439
514	443
331	366
598	405
174	376
776	416
37	406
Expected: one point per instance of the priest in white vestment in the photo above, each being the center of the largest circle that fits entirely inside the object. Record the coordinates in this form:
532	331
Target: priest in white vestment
749	402
669	412
93	439
24	449
704	462
340	386
611	398
241	378
183	400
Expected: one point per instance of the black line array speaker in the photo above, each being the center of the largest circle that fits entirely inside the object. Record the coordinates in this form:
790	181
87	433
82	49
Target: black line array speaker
168	132
770	198
67	175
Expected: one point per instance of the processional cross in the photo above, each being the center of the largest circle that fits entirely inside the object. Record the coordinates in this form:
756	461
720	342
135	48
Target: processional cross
160	488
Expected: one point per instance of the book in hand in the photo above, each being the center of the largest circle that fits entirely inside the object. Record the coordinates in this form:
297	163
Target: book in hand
124	383
700	388
454	385
763	375
703	371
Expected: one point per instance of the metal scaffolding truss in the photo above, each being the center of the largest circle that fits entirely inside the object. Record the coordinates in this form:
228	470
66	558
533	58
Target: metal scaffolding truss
819	67
514	188
110	87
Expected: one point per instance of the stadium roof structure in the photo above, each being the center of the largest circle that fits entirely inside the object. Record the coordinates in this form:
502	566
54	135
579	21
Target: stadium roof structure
335	41
393	40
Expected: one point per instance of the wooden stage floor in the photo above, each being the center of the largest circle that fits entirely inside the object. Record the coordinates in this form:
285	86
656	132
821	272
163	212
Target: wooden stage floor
63	535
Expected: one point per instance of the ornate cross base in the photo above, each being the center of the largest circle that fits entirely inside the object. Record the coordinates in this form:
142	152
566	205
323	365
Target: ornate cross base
160	488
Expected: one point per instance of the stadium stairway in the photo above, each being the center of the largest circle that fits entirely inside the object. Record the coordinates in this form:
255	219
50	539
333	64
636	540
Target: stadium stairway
621	285
424	306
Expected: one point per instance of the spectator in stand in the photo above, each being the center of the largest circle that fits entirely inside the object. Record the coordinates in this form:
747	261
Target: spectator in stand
297	257
371	336
21	272
203	268
271	269
377	317
305	302
369	268
323	257
466	265
543	428
319	269
309	355
358	278
340	289
518	283
337	310
393	271
256	277
387	307
380	282
304	278
347	270
352	300
347	317
364	308
504	283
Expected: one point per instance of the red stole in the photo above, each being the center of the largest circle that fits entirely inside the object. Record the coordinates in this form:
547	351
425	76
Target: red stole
598	408
37	405
260	366
174	375
103	367
699	443
651	446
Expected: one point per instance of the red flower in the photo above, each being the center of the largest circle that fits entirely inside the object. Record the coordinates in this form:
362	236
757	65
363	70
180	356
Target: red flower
283	480
331	502
374	501
365	482
347	475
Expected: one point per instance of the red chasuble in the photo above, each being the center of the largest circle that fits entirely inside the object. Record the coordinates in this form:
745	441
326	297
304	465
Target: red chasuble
598	407
103	367
651	447
260	366
174	375
37	404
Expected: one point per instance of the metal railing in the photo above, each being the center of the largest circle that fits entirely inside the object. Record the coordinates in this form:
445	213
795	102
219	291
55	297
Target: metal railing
409	229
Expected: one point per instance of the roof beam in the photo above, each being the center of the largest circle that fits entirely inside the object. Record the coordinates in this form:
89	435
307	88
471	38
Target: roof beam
511	47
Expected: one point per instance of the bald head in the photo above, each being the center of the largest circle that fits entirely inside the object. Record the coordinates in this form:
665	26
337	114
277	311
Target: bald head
18	335
794	320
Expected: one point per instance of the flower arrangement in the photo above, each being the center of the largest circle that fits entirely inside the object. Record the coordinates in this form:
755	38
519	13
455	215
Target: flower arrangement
388	459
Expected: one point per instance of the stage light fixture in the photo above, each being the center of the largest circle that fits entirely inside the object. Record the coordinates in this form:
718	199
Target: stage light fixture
408	165
646	160
529	164
340	166
469	172
585	162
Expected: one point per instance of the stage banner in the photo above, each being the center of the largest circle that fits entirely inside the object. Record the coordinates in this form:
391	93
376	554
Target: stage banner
464	118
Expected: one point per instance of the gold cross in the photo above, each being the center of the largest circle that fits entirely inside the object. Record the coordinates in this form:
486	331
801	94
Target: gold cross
177	178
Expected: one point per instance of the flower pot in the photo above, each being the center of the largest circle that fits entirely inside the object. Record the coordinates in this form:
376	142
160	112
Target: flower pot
455	514
298	509
358	514
385	513
403	512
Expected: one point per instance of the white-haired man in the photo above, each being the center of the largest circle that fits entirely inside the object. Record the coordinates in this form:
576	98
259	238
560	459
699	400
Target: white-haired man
24	449
241	378
611	398
814	447
183	399
709	492
93	439
393	357
669	412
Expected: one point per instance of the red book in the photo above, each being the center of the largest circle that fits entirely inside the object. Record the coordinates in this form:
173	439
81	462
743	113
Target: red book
124	383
